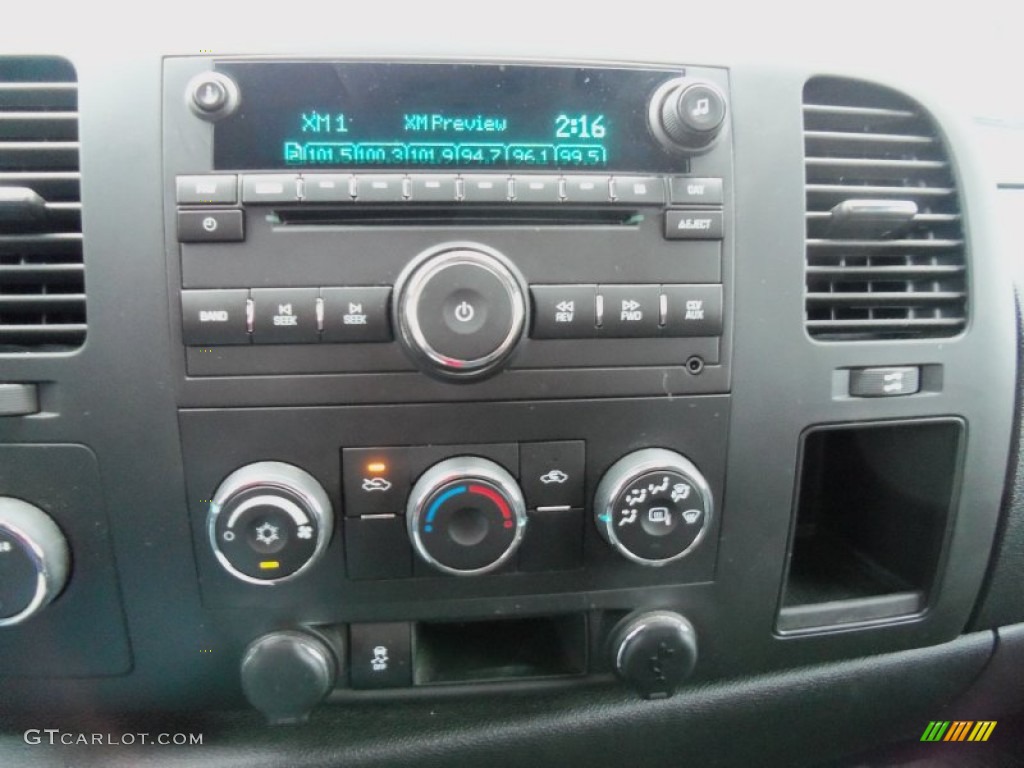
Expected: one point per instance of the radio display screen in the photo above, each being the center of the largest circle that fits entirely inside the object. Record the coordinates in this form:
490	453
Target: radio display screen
456	117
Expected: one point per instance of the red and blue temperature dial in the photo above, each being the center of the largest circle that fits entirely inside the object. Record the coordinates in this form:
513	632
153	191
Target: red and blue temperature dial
466	516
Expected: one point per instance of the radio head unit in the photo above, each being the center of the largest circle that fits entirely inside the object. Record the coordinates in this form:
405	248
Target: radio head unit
485	223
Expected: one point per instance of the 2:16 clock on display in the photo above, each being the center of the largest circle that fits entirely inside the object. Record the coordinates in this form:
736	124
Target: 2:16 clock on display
581	126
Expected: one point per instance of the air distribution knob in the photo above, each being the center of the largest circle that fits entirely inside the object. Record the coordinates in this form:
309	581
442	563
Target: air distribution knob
654	652
653	506
460	310
687	115
34	560
285	674
268	522
466	516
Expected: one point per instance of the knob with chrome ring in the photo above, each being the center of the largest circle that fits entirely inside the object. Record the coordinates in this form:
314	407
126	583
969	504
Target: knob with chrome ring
466	516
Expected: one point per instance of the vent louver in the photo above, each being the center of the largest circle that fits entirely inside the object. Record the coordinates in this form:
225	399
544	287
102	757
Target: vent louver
42	288
885	247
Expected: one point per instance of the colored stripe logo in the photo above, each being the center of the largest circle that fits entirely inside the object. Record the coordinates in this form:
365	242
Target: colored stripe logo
958	730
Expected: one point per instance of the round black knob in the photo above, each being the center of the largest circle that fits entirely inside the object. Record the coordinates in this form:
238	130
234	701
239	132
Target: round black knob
687	115
466	516
34	560
286	674
654	652
460	310
268	522
653	506
212	95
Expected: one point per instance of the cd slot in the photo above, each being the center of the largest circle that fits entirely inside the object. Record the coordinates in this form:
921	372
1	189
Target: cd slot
449	216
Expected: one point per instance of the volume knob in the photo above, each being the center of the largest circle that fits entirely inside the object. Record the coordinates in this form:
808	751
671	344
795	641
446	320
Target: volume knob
460	310
687	115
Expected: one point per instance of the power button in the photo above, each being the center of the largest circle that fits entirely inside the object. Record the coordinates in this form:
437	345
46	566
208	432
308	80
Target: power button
460	311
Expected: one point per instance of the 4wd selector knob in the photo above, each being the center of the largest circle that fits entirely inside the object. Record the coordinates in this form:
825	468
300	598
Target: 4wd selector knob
268	522
466	516
687	115
653	506
460	310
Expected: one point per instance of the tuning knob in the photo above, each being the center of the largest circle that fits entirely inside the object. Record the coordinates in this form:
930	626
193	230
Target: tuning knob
286	674
653	506
654	652
34	560
466	516
687	115
268	522
460	311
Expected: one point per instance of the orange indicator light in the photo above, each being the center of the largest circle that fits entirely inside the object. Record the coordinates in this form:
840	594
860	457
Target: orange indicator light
376	468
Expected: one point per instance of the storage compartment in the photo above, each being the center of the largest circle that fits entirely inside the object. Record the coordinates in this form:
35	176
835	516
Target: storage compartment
873	511
502	649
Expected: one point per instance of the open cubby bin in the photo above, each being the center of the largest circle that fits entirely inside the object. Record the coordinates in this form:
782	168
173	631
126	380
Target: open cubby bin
874	507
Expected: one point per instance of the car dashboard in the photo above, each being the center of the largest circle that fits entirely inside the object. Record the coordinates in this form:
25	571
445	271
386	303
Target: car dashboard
371	397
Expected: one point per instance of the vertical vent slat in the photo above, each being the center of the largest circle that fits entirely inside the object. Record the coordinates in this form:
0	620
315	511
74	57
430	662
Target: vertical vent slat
890	269
42	274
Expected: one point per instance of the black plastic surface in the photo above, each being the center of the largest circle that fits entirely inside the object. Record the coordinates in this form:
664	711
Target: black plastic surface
738	722
82	632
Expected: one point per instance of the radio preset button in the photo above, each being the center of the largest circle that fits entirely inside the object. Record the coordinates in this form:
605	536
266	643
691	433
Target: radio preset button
432	189
630	310
356	314
270	188
536	189
200	190
693	225
690	190
214	317
485	188
639	190
211	226
382	188
285	315
693	310
587	189
327	187
564	311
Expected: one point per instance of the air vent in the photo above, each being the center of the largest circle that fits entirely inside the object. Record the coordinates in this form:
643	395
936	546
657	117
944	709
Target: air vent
885	247
42	289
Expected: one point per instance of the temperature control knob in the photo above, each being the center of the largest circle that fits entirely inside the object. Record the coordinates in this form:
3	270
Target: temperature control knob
687	115
268	522
466	516
653	506
460	310
33	560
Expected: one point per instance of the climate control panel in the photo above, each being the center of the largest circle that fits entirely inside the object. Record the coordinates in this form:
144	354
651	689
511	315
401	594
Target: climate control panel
614	501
